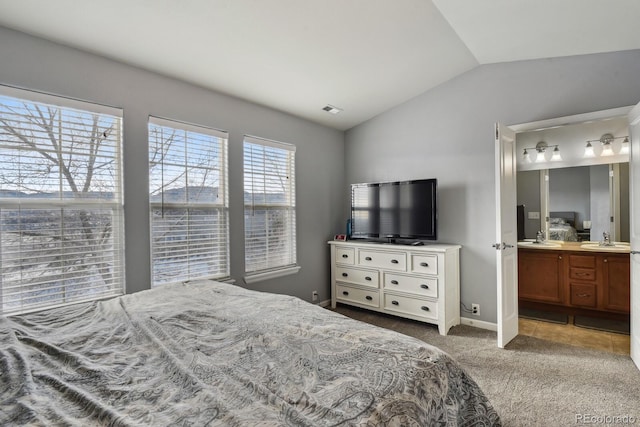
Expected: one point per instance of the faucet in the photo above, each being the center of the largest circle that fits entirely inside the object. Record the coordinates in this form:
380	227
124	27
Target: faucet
606	239
540	237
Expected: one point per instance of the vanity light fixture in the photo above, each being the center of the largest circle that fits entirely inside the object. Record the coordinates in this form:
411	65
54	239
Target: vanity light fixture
607	145
541	149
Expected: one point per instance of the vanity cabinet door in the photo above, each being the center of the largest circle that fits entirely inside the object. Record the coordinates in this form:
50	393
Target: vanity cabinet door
540	275
616	269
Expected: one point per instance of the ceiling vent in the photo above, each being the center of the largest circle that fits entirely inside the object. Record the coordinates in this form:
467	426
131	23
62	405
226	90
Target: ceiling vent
331	109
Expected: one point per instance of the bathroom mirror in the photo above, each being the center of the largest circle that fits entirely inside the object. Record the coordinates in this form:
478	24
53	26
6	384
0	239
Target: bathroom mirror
580	186
576	203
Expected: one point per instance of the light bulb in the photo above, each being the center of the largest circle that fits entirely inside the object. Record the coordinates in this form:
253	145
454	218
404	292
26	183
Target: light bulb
624	149
607	150
556	157
588	150
540	156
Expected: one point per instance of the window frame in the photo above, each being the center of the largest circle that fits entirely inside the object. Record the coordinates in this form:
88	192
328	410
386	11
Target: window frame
290	267
223	150
114	205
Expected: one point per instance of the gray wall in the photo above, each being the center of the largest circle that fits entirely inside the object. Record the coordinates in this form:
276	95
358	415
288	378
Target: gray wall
448	133
528	194
36	64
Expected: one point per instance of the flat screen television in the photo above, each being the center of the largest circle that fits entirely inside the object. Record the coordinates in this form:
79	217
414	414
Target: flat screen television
395	210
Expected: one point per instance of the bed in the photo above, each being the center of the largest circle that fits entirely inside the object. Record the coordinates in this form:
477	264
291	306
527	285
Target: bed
209	353
562	226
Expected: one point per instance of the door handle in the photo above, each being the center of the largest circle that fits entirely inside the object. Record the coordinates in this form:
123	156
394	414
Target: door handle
506	246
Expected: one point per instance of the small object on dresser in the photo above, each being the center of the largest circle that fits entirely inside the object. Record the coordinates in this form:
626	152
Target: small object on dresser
342	237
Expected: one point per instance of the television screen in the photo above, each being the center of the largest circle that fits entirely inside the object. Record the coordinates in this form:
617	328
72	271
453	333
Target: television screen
403	209
365	209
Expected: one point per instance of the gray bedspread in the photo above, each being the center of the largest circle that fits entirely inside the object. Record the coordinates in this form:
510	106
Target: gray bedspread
208	353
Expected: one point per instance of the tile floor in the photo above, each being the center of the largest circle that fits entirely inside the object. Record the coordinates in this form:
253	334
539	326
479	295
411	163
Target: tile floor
574	335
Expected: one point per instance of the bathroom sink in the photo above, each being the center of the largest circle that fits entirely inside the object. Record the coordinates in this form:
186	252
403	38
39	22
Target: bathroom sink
616	247
535	244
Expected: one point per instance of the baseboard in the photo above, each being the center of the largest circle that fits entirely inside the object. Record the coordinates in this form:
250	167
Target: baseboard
479	324
325	303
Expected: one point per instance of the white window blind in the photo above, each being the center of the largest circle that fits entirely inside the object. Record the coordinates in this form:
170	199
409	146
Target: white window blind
61	210
188	199
269	205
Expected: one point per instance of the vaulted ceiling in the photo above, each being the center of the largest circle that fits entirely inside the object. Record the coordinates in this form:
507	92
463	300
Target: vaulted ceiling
297	56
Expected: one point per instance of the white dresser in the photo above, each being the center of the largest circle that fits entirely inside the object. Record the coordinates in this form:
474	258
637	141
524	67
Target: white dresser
416	282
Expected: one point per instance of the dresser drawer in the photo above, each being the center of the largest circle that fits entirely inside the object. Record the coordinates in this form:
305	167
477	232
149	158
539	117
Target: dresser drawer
424	264
583	295
415	307
386	260
425	286
360	296
582	273
345	255
359	277
584	261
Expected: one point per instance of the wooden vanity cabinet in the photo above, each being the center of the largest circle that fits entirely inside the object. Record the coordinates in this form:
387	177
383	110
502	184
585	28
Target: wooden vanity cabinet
580	280
616	274
541	276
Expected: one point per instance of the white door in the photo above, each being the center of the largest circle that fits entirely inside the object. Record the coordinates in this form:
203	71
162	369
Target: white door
506	234
634	201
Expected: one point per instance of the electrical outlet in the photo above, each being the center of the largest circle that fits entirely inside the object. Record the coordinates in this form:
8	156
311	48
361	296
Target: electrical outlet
475	309
314	296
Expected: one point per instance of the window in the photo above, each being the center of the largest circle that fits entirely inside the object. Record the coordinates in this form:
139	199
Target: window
269	208
188	202
61	210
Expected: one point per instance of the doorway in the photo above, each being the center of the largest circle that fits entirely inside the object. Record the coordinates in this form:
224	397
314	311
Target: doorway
583	118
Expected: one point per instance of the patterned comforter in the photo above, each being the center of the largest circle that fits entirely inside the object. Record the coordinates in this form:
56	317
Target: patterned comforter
208	353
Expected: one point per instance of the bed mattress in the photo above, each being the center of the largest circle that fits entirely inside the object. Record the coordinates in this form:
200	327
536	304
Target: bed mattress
209	353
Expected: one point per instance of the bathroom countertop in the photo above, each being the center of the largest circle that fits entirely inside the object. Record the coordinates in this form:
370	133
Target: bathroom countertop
558	245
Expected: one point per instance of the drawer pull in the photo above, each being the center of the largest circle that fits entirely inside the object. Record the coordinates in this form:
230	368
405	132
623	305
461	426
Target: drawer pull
344	274
367	258
424	286
395	261
367	278
560	257
424	264
605	260
345	293
584	295
345	256
369	297
425	308
394	302
394	282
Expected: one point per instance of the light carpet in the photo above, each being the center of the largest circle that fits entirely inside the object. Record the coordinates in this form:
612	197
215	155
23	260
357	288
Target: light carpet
534	382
